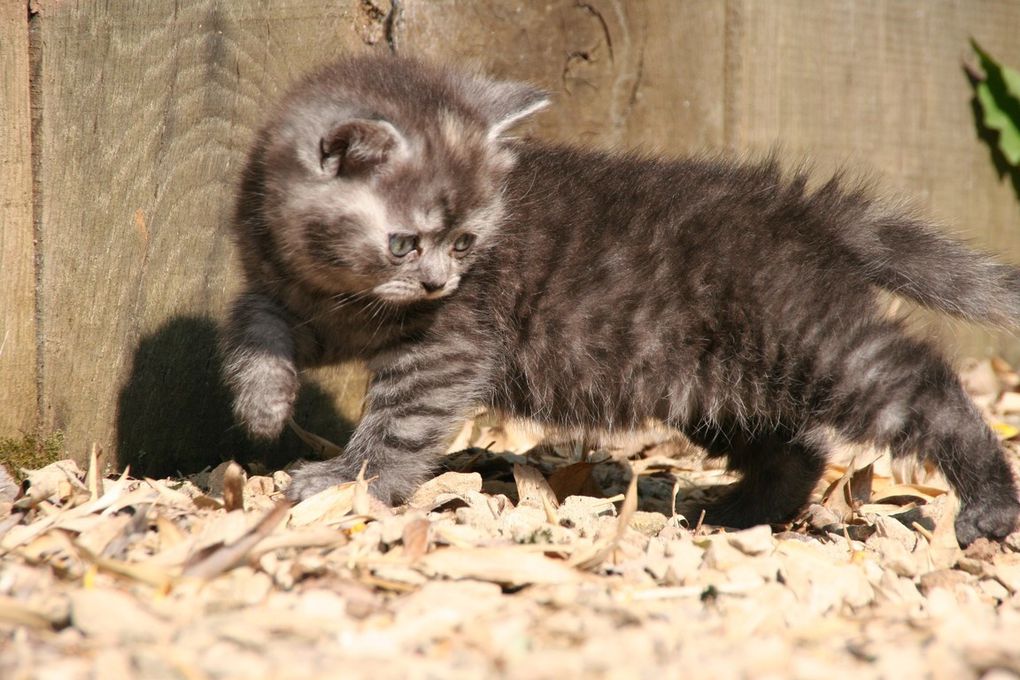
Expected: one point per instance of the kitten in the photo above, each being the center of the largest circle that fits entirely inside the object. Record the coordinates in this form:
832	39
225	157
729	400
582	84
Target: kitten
385	215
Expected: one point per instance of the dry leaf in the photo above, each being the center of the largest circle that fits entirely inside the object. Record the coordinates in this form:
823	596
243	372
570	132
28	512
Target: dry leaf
457	484
592	558
509	565
945	549
229	556
94	478
532	488
329	505
415	538
233	487
18	613
574	480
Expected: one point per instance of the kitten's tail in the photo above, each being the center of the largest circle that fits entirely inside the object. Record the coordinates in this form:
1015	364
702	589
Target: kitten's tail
910	258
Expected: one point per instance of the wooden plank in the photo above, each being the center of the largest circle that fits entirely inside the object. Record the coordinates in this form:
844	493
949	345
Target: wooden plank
147	112
879	87
18	407
623	75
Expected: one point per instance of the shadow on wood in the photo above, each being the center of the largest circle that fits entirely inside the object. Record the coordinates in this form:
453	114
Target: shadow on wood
174	416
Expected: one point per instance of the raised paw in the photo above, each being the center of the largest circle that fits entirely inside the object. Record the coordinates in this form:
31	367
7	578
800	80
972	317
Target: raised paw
265	389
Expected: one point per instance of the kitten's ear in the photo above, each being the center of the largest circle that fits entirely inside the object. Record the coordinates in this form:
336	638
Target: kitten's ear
506	103
358	146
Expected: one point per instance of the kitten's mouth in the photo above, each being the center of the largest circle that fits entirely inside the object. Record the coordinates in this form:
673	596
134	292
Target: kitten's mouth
406	292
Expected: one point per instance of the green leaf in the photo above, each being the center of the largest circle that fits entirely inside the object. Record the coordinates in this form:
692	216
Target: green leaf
999	97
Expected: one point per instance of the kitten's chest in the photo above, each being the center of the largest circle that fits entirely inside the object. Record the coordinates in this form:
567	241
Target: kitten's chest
360	331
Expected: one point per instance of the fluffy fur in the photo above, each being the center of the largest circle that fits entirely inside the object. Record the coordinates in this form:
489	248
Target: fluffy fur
596	290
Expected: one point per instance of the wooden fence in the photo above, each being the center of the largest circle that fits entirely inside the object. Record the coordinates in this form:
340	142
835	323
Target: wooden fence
124	125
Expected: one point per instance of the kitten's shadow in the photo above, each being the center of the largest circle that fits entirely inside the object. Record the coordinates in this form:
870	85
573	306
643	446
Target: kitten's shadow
174	416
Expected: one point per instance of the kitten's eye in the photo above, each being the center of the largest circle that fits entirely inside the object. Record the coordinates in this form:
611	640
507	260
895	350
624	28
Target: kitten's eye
463	242
402	244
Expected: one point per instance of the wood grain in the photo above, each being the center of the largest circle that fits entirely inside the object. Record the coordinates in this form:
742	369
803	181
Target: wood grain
17	252
622	74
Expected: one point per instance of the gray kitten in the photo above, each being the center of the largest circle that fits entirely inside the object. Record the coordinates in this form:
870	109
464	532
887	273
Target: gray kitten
384	216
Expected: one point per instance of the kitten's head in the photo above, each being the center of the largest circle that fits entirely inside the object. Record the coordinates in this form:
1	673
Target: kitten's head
383	175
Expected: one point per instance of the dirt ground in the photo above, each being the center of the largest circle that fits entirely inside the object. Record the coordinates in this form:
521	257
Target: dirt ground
527	558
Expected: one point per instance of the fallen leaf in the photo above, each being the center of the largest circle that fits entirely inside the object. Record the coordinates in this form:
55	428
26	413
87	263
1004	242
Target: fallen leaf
233	487
509	565
574	480
415	538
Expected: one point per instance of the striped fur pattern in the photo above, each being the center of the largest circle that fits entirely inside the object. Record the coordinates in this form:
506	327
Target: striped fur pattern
725	299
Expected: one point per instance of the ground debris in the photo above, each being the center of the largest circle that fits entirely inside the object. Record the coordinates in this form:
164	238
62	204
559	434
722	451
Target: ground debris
520	561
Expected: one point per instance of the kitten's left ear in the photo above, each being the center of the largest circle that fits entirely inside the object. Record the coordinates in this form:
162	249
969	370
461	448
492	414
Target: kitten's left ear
506	103
357	146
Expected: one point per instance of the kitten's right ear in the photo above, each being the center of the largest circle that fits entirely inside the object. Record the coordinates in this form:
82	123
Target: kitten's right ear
506	103
358	146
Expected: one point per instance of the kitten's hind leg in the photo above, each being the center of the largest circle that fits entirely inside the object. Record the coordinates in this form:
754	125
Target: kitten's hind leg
778	473
896	391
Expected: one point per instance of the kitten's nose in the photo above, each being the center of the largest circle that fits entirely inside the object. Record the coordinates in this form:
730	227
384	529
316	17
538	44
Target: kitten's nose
432	286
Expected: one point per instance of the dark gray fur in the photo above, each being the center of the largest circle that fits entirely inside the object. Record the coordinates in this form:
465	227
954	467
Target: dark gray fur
723	298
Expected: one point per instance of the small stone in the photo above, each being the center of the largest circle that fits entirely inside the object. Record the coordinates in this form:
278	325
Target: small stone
890	527
982	549
1007	571
754	541
1013	541
993	589
648	523
721	555
684	560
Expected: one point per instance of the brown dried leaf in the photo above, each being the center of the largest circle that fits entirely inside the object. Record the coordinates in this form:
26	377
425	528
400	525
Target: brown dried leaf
415	538
169	534
845	496
574	480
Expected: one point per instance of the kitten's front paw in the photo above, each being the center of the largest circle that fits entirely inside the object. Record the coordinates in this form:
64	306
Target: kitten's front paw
311	478
264	393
